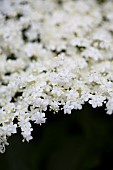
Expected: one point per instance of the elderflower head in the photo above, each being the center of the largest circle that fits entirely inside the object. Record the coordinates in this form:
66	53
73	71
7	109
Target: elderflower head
53	55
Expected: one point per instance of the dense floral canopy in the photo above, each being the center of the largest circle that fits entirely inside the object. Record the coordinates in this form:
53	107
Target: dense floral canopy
53	55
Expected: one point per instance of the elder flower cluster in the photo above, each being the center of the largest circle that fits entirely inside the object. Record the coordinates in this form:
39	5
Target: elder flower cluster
54	54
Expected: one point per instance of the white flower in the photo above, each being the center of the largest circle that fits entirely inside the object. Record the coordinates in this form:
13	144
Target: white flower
96	100
53	57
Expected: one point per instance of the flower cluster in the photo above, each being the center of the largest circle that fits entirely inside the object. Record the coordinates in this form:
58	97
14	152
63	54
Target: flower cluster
53	55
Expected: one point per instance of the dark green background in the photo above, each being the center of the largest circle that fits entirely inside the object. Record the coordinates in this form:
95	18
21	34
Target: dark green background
80	141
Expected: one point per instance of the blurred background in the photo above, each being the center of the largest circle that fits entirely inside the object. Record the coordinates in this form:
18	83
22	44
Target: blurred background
82	140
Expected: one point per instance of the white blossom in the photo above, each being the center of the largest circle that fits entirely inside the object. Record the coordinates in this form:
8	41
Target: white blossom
53	57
